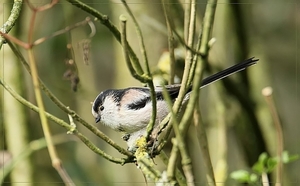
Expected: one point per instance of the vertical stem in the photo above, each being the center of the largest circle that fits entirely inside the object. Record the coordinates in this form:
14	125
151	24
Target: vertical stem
179	143
267	92
187	11
34	74
56	162
265	179
207	28
40	104
179	176
170	43
174	155
140	36
202	139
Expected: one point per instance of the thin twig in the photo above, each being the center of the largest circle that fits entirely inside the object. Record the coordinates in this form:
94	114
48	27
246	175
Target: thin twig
93	28
41	8
203	142
67	29
221	168
151	124
15	40
187	14
267	93
56	162
181	40
140	37
72	124
170	43
139	76
180	144
194	61
161	28
59	32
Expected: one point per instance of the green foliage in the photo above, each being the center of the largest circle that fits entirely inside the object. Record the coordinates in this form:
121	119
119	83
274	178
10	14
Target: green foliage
244	176
287	158
265	164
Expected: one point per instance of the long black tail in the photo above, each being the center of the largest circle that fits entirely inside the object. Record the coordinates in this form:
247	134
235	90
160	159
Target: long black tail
229	71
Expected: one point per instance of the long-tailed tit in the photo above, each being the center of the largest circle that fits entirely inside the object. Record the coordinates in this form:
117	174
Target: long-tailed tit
129	110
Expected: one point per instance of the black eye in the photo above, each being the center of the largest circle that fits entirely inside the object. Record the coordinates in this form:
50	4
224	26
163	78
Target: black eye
101	108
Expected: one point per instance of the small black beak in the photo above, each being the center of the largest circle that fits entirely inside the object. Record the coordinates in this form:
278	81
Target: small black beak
97	119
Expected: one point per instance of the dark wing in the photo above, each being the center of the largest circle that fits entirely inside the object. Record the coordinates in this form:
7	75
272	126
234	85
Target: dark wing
173	91
142	96
139	104
139	97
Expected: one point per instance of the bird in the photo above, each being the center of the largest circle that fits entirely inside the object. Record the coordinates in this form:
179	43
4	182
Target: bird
129	110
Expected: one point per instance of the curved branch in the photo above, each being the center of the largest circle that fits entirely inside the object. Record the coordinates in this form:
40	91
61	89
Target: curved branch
62	123
68	110
8	25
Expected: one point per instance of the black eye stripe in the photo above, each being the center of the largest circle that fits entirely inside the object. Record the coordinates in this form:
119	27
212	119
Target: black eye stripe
98	101
117	95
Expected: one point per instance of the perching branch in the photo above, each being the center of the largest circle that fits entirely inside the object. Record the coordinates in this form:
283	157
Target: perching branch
144	160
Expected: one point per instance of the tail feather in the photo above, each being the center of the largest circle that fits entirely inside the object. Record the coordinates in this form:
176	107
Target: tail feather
229	71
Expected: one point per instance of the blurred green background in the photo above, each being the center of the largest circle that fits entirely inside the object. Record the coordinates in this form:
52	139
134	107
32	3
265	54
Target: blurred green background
267	30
